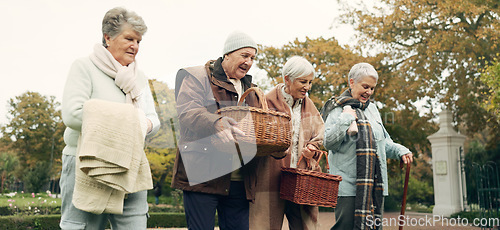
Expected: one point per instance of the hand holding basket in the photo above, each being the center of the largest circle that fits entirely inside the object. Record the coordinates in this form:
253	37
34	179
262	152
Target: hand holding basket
269	130
309	187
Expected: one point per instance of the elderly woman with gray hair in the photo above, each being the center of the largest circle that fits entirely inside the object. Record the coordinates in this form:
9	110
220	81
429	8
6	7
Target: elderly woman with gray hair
307	136
108	110
360	156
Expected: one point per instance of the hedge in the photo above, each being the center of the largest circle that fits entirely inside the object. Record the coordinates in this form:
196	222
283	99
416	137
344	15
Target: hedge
30	222
167	220
42	222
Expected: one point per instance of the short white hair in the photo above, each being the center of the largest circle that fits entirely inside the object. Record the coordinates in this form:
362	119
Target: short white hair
115	19
361	70
297	67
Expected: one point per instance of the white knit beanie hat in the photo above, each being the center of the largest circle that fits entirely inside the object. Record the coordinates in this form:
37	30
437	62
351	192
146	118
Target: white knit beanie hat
237	40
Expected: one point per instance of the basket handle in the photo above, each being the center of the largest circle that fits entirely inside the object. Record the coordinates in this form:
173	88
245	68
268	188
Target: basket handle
260	95
321	153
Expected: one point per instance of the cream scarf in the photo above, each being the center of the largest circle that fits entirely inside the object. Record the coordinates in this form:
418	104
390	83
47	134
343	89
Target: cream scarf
125	76
296	119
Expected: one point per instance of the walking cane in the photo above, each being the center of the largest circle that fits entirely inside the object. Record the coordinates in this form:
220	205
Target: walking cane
407	177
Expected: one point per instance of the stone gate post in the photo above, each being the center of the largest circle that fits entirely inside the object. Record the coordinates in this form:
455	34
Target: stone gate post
446	144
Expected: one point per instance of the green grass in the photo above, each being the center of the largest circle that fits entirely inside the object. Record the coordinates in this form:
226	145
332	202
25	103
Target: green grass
25	202
42	211
29	204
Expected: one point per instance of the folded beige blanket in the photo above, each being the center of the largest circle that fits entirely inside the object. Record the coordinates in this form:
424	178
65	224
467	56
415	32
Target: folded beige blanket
110	157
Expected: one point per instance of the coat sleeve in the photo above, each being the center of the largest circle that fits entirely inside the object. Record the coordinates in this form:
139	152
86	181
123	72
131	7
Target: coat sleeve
77	90
192	102
317	130
336	126
147	105
317	135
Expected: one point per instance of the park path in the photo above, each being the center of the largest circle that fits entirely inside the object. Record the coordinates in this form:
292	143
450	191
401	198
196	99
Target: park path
415	221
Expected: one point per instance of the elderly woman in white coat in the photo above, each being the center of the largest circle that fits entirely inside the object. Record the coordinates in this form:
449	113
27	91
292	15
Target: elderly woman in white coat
109	74
360	157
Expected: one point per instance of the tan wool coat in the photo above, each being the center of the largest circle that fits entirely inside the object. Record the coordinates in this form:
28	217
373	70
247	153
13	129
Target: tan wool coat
268	210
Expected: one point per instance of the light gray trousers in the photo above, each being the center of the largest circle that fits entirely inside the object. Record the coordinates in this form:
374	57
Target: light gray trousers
135	207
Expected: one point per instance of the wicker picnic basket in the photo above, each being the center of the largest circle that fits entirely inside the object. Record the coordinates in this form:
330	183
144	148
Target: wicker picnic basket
309	187
268	129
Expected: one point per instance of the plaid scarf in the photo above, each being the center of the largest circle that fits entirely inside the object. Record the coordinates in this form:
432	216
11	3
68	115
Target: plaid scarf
369	185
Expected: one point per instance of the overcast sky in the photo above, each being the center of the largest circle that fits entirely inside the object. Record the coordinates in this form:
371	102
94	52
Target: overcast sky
41	38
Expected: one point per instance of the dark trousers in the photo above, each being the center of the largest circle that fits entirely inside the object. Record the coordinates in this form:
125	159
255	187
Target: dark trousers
344	213
232	210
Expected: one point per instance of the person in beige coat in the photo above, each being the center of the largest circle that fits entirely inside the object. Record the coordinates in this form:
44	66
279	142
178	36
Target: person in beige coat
307	136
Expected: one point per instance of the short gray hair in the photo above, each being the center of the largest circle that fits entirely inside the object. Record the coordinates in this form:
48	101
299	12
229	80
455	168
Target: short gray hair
297	67
362	70
116	18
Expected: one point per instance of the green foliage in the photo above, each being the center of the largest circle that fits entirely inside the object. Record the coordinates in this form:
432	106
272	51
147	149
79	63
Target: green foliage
420	185
477	155
41	222
177	200
487	220
470	216
491	78
8	165
167	220
161	161
34	130
37	177
42	211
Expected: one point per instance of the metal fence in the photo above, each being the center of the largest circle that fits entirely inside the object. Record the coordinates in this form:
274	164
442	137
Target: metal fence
484	191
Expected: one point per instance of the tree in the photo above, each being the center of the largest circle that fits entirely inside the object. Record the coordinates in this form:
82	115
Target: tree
8	165
37	176
161	148
435	49
161	161
165	107
491	78
330	60
34	129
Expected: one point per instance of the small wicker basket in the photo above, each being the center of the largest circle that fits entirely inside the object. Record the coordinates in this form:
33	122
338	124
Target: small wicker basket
268	129
309	187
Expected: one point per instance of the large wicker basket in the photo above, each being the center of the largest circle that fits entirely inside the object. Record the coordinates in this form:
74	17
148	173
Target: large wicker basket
268	129
309	187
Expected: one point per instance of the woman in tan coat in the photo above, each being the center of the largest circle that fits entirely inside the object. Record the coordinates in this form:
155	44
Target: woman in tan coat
268	210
